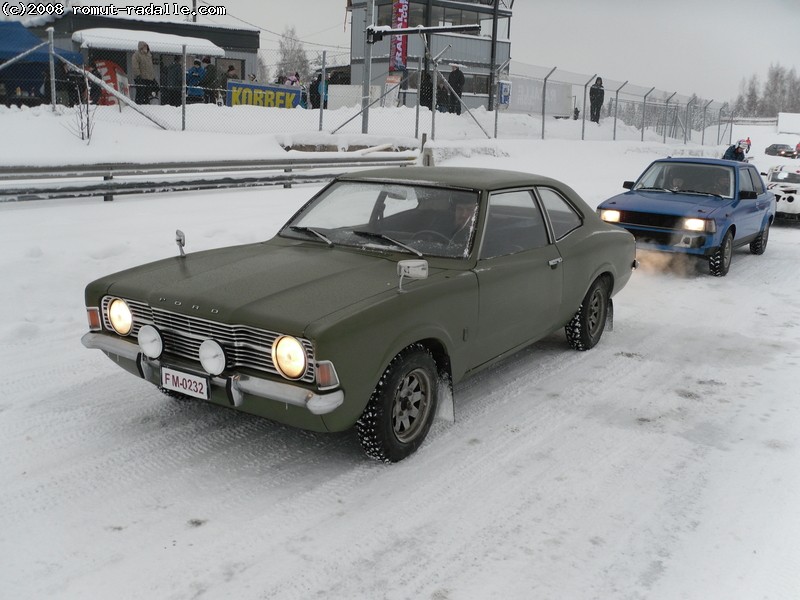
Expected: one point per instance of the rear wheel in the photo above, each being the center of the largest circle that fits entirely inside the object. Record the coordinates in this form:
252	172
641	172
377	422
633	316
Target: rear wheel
587	325
400	411
719	263
759	245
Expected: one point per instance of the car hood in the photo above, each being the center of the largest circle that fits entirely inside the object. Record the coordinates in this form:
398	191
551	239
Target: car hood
277	286
667	203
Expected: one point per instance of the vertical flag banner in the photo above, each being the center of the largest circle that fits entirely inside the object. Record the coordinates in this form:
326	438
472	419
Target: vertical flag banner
398	46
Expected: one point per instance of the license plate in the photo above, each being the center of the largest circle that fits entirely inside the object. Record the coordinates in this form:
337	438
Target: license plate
185	383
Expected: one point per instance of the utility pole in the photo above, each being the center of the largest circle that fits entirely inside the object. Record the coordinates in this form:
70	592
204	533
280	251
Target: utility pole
367	72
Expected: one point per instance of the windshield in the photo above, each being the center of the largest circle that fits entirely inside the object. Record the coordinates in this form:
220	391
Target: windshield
784	177
688	178
409	218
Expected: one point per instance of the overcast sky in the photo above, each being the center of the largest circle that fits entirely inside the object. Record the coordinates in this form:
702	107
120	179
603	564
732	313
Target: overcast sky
701	46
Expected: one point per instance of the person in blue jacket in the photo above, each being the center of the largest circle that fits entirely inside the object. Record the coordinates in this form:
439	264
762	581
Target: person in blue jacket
194	93
736	151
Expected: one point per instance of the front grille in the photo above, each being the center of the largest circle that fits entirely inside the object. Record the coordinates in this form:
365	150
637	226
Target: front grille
245	347
628	217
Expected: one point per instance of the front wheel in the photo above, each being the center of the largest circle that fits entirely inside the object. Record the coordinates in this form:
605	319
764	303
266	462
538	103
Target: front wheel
400	411
719	263
587	325
759	245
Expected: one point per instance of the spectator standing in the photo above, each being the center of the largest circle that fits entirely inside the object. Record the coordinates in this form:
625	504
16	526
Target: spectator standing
323	90
210	81
456	81
174	82
426	90
314	92
143	74
596	96
194	77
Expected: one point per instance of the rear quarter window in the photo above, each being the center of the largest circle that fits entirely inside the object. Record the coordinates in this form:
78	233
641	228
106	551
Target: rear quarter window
563	217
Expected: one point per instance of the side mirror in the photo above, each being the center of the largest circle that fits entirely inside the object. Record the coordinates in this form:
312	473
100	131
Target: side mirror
628	185
747	195
412	269
180	239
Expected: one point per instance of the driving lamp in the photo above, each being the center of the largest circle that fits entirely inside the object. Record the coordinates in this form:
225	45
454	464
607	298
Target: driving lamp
120	316
150	341
212	357
289	357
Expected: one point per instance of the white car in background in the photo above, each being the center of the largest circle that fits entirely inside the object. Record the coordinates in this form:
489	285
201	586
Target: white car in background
784	182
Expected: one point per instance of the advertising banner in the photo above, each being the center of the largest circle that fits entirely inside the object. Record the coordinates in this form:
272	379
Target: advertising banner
398	45
240	93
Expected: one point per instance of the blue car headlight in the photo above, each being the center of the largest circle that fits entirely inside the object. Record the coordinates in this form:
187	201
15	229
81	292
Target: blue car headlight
695	224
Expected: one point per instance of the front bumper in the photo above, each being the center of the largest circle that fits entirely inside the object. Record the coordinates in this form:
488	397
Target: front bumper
235	385
683	242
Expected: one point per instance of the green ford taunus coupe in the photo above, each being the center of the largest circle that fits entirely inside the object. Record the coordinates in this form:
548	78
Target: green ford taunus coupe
384	290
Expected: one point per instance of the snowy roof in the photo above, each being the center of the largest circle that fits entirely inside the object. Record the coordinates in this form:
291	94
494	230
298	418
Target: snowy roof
128	40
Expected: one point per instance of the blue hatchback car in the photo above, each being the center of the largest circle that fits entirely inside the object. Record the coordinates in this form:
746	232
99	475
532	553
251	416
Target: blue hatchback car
698	206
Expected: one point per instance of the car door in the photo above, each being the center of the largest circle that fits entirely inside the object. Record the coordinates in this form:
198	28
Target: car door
519	275
746	211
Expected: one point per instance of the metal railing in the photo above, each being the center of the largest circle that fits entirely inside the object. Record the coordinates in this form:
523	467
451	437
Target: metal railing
26	183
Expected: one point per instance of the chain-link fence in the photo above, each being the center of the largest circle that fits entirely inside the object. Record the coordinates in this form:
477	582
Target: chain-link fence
196	88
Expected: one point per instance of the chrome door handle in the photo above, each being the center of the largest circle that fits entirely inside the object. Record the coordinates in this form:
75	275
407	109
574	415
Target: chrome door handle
554	262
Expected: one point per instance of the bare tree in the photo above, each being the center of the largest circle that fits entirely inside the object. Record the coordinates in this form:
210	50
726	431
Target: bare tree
292	55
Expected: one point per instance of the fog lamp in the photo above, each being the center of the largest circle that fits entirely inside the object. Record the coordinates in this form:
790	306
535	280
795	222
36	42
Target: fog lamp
150	341
212	357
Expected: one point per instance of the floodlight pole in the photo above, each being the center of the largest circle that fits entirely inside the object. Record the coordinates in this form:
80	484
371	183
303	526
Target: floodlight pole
52	68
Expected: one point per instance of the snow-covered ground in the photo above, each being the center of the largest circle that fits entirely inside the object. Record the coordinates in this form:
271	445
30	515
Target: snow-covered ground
661	465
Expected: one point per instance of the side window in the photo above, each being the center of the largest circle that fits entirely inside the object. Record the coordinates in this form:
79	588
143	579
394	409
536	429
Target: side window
758	183
514	223
562	215
745	182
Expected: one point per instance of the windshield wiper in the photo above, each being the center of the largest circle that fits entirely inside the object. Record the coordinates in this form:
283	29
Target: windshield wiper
651	189
380	236
313	232
702	193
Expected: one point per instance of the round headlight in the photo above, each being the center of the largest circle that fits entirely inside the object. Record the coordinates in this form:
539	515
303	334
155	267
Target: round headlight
150	341
120	316
212	357
289	357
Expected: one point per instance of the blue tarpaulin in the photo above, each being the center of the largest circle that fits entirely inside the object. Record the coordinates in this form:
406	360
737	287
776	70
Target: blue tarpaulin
16	39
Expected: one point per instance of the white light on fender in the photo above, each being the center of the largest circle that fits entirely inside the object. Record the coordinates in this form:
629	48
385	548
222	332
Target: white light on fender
150	341
212	357
611	216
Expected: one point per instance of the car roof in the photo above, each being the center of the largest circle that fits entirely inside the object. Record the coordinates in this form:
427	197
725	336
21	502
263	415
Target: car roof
459	177
706	161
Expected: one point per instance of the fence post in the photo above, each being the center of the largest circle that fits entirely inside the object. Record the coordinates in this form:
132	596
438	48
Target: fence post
544	95
616	108
644	109
666	115
705	110
688	122
324	90
583	122
365	86
183	89
419	93
52	68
